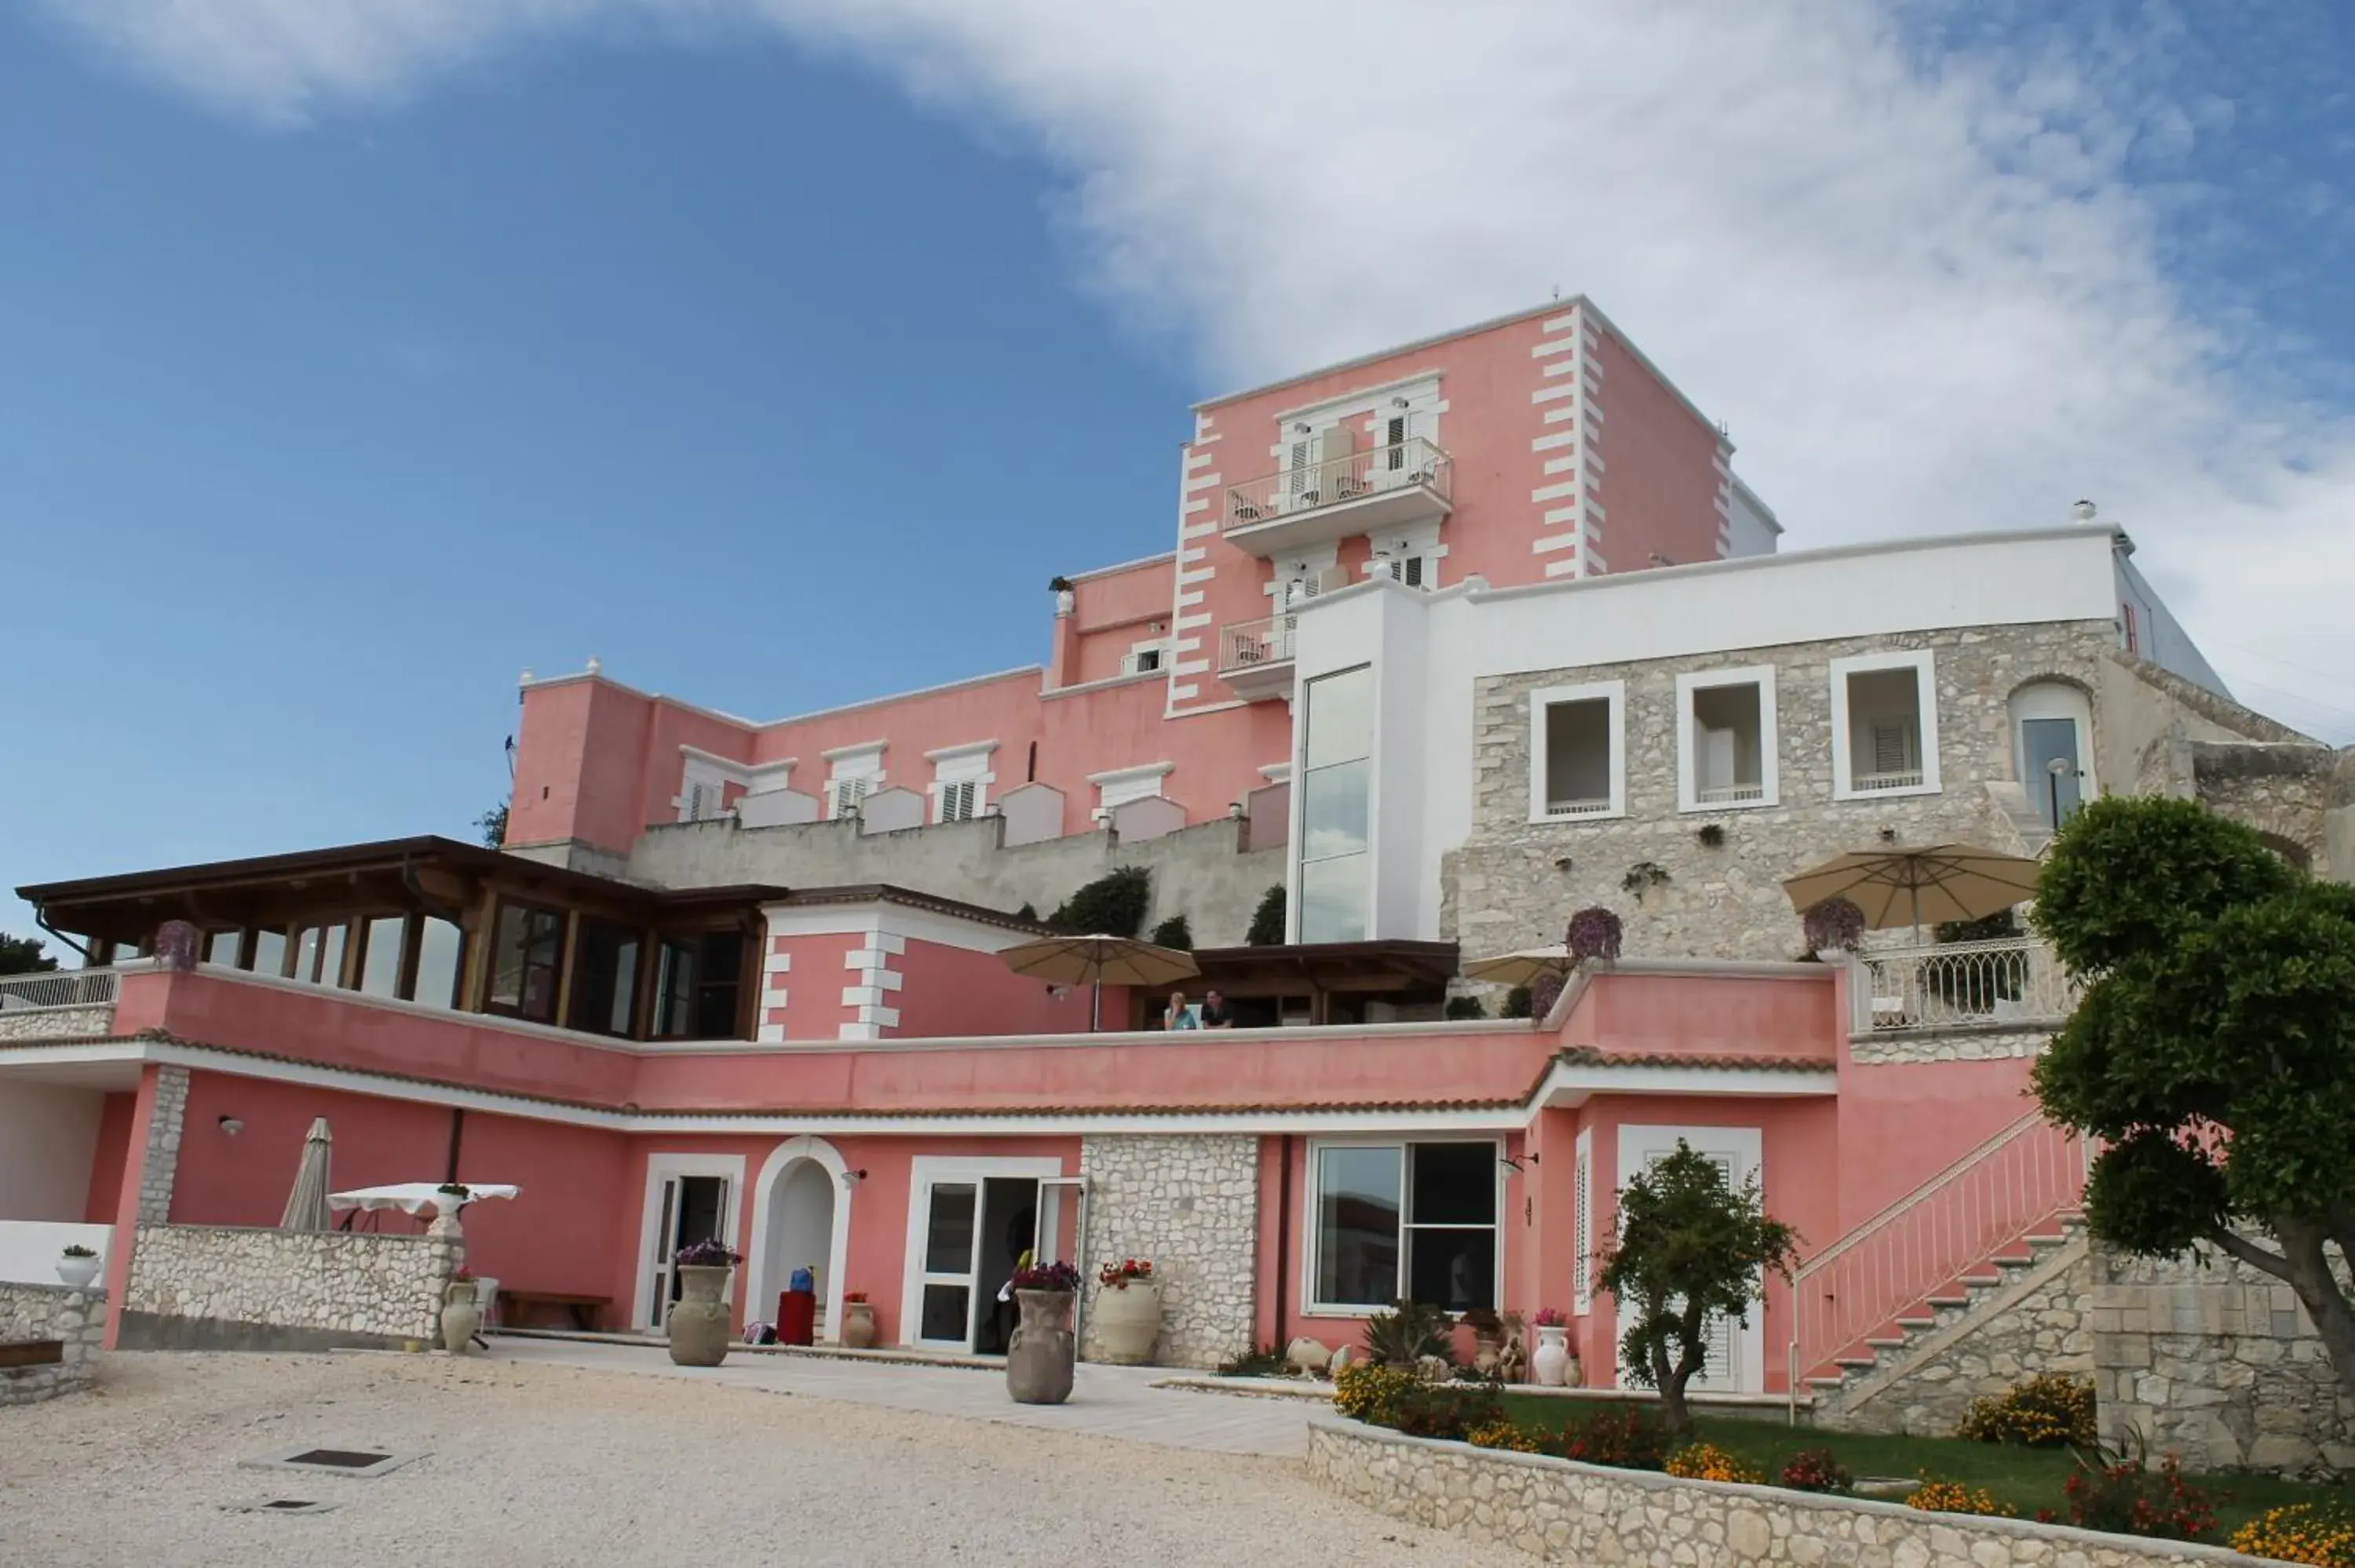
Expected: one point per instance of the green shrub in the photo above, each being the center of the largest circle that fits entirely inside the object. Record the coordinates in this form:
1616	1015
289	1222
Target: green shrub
1267	920
1175	933
1815	1470
1114	905
1262	1361
1450	1410
1517	1002
1630	1436
2050	1410
2122	1497
1466	1007
1407	1333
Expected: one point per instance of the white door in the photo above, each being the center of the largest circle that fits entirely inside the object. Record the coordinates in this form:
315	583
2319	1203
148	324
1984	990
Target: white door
693	1209
1722	1364
952	1254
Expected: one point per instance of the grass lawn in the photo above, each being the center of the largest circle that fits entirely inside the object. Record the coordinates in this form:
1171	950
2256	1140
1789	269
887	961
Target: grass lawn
2027	1478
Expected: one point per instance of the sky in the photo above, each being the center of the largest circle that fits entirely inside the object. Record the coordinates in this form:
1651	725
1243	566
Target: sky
357	356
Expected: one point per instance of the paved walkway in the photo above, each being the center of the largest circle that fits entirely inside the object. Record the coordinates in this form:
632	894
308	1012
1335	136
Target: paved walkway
1106	1402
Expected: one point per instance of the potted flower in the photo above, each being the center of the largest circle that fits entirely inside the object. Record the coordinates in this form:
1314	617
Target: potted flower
1834	927
858	1320
1551	1363
699	1320
462	1314
1594	935
78	1266
1128	1312
1040	1359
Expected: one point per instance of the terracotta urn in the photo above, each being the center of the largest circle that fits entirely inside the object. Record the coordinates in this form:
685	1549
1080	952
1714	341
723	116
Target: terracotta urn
698	1321
857	1325
461	1316
1127	1322
1040	1358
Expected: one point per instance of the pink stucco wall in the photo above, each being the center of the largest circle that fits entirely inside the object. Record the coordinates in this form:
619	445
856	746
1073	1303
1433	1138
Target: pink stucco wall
1111	611
1659	483
113	1147
1900	1126
948	990
1790	1015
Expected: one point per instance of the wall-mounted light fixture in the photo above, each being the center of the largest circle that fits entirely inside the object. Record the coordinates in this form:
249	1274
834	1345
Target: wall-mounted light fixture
853	1178
1300	428
1518	1161
1398	402
232	1126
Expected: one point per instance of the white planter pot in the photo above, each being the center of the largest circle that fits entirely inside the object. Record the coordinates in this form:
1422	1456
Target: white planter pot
1127	1321
1550	1364
1831	955
77	1272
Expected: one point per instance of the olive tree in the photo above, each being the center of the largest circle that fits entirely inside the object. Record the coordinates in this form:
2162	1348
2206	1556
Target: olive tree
1691	1248
2214	1049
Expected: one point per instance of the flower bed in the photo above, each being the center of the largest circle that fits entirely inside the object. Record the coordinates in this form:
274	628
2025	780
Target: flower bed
1582	1513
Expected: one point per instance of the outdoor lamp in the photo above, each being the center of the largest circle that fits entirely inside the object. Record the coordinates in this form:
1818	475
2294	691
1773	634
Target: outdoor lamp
232	1126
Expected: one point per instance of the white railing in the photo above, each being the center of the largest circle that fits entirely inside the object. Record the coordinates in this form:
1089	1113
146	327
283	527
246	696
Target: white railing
59	988
1730	794
2023	1178
1578	808
1348	476
1904	779
1248	644
2010	979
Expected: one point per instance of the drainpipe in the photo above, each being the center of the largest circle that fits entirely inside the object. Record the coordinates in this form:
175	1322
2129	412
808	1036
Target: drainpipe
457	1138
1283	1232
41	918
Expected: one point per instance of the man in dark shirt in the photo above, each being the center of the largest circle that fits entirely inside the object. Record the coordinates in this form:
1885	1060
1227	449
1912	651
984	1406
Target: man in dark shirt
1214	1012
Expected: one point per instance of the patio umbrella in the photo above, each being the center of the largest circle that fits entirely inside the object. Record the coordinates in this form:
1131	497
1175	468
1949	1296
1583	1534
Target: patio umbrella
1522	967
306	1205
1099	962
1906	886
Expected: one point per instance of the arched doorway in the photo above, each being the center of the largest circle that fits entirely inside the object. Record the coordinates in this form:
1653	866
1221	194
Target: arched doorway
801	1219
2053	748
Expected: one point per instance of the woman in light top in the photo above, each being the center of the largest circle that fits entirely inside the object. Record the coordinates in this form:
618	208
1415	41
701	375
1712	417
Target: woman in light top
1179	1015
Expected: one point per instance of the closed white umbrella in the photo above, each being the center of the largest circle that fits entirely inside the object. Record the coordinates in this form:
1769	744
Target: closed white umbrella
1099	962
306	1205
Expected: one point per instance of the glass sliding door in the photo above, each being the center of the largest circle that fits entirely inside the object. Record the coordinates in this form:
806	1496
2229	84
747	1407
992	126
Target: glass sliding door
693	1209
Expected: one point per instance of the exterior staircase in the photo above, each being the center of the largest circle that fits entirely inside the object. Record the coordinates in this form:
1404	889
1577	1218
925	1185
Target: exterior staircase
2028	824
1936	1258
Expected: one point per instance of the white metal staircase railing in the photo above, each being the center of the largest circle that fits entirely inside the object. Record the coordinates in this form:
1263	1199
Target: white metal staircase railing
1987	1202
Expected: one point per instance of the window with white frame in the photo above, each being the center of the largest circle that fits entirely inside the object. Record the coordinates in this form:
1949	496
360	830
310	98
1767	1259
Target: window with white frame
1144	658
1121	784
1884	724
1403	1221
855	773
703	786
961	782
1578	752
1726	739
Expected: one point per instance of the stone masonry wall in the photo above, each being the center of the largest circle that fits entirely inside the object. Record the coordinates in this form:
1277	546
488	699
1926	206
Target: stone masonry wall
162	1165
1190	1206
1504	890
1959	1042
1566	1513
51	1313
2038	1321
2218	1363
384	1286
57	1022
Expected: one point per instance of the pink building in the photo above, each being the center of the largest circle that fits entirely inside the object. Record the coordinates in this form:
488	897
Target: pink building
1454	640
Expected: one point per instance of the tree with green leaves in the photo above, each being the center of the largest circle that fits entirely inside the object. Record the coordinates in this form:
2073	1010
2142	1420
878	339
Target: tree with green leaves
22	956
1267	920
1690	1249
2212	1051
493	825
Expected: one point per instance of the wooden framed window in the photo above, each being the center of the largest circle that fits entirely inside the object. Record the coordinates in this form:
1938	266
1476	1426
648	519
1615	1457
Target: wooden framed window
527	956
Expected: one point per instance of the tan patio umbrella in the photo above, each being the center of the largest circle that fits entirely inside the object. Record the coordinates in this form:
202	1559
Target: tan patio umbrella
1522	967
1907	886
306	1205
1099	962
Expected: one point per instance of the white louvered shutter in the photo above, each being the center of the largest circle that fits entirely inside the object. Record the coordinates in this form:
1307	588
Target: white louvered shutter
956	800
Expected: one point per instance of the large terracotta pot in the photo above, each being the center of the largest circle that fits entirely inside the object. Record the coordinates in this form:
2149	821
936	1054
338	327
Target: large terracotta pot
698	1323
1127	1321
1040	1358
1551	1362
858	1324
461	1316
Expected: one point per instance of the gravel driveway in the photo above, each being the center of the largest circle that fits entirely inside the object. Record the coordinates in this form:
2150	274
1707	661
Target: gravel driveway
533	1464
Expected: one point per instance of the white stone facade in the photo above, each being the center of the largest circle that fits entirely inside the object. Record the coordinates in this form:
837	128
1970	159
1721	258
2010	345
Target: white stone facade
57	1022
1565	1512
387	1286
1190	1204
161	1164
78	1318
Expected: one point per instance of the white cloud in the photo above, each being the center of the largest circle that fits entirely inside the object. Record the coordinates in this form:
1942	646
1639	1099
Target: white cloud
1921	289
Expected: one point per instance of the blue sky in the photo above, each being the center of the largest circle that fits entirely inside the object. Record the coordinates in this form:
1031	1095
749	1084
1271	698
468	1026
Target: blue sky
356	354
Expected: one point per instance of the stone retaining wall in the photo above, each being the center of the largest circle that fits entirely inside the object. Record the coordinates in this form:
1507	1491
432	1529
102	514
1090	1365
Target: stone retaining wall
2218	1363
57	1022
51	1313
215	1286
1567	1512
1190	1206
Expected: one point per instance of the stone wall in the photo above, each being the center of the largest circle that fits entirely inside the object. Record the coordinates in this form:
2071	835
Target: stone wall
1959	1042
2036	1321
2218	1363
1191	1206
162	1165
221	1287
51	1313
1566	1513
2284	792
57	1022
1505	887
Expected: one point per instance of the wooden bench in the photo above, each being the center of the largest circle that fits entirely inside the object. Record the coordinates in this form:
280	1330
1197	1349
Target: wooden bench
584	1310
32	1353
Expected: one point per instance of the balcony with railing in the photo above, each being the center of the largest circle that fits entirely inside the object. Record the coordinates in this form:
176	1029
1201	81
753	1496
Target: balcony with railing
2013	981
1316	502
1255	657
59	1003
